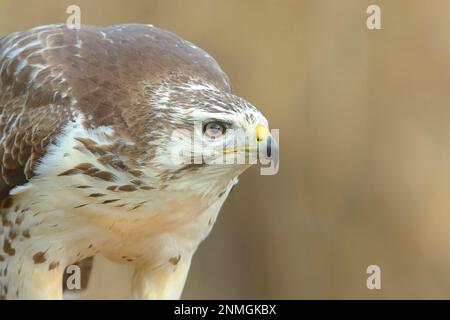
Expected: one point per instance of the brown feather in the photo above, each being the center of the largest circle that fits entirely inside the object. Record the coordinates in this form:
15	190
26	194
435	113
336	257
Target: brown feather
101	73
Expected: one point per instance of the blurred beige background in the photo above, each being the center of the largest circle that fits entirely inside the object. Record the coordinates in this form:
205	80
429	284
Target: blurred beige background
364	120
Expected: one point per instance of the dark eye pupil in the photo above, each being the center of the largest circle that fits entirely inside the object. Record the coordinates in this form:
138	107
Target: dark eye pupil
214	130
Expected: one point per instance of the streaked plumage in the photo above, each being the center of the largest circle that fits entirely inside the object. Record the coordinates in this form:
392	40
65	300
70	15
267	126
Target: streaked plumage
85	129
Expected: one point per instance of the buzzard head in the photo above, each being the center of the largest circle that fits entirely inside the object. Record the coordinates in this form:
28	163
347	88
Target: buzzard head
204	132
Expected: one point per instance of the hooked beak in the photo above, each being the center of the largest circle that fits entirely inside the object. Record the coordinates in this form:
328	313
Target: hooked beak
266	146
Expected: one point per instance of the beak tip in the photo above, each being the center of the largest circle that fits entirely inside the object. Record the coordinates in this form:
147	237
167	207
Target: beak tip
271	151
274	151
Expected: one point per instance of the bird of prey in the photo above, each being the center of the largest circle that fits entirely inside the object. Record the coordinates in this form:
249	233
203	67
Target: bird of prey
90	127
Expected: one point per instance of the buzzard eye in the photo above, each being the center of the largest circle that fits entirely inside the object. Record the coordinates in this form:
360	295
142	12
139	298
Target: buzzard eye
214	130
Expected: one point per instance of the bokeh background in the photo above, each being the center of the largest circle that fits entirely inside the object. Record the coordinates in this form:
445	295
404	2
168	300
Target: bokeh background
364	119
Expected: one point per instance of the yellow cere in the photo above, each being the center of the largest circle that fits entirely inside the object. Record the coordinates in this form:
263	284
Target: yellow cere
261	133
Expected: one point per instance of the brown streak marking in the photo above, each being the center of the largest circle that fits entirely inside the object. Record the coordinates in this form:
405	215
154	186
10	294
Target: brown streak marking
18	221
175	260
110	200
6	222
7	248
91	171
104	175
136	173
118	164
96	195
127	188
92	146
69	172
53	265
106	159
138	205
84	166
39	257
81	205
